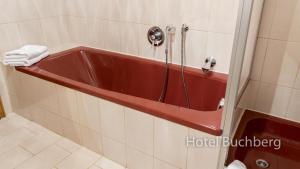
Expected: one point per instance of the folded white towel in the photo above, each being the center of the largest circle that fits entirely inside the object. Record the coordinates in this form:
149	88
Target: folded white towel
26	62
26	52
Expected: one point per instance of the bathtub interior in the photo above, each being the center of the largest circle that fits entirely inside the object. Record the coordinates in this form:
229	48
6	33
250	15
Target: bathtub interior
263	126
137	77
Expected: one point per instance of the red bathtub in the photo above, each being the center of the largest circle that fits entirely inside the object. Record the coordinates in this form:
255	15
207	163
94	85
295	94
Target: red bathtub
267	127
137	83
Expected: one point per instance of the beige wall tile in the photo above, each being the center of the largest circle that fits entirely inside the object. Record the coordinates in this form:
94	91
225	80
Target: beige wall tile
281	63
196	13
259	58
297	82
77	27
114	9
54	123
130	38
49	8
114	151
267	18
76	7
249	97
294	34
138	160
223	16
112	120
195	56
71	130
31	32
27	10
95	32
141	11
9	12
140	130
207	155
273	99
68	106
52	31
219	46
112	35
169	142
170	15
10	37
89	111
293	110
48	96
38	115
285	16
91	139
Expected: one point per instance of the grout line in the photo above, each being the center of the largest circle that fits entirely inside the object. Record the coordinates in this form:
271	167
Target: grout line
26	150
281	40
31	19
125	137
139	23
264	60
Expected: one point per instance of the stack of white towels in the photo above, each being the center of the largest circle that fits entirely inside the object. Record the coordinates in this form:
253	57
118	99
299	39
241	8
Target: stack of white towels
25	56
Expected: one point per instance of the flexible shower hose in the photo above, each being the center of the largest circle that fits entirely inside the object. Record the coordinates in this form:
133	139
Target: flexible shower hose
185	88
166	74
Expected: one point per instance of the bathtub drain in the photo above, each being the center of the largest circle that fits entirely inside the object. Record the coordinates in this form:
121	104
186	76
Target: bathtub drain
262	163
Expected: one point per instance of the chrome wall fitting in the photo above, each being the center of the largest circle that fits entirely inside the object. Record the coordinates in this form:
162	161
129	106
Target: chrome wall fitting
209	64
156	36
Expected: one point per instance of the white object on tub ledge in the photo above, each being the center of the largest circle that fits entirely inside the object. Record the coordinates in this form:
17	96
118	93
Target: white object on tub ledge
25	56
26	52
236	165
25	62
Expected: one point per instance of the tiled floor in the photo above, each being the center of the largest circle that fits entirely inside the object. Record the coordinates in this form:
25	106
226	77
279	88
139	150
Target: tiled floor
26	145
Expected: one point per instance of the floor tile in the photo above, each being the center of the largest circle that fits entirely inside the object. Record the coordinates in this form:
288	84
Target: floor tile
12	140
105	163
68	145
14	157
80	159
95	167
38	143
47	159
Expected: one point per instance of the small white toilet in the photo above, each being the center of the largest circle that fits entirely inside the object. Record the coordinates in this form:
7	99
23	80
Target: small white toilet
236	165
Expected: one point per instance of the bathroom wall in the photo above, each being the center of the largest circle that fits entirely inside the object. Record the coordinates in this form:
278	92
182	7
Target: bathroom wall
275	78
28	22
251	43
122	25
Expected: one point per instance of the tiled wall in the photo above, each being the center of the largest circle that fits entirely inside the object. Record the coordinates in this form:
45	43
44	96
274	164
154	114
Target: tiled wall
131	138
118	25
251	42
275	80
28	22
122	25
